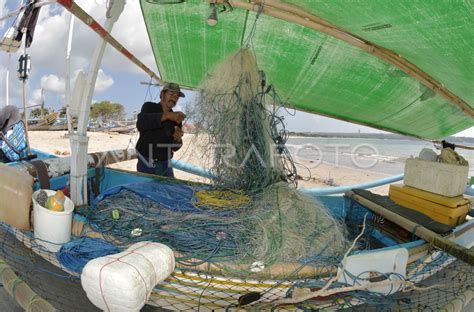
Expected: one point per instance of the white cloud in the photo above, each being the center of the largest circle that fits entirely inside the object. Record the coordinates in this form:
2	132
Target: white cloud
466	133
49	45
131	32
103	81
53	83
48	49
51	34
15	88
35	97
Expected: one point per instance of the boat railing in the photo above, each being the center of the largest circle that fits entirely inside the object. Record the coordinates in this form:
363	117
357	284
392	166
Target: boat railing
202	172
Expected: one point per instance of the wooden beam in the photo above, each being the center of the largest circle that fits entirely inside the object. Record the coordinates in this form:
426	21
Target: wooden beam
429	236
60	166
296	15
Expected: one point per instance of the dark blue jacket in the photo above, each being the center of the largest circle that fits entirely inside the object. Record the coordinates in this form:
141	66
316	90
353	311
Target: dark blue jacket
156	136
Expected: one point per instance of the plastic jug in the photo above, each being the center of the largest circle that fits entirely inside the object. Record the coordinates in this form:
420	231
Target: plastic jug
16	188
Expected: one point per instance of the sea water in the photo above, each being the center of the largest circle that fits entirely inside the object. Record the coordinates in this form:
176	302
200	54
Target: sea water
375	155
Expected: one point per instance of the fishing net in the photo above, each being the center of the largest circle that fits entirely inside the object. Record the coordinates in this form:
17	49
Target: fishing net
237	111
248	241
442	283
251	215
276	225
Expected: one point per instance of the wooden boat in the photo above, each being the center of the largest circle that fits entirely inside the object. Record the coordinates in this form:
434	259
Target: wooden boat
45	123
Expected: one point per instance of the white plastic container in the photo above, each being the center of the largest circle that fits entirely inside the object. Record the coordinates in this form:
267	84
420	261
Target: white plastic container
52	228
440	178
391	264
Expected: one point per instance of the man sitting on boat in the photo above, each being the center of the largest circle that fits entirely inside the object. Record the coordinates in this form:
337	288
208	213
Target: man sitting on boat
13	144
160	132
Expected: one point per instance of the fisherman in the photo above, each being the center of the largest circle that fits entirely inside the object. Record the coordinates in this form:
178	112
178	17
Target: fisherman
160	132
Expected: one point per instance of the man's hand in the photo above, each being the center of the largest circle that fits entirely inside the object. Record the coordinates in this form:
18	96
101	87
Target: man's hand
177	117
178	134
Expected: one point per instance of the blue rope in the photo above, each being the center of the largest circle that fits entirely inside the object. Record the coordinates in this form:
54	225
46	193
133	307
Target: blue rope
75	254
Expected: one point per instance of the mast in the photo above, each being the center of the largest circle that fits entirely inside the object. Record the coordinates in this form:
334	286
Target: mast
24	66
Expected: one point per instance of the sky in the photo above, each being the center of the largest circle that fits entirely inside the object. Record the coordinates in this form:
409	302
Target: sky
119	79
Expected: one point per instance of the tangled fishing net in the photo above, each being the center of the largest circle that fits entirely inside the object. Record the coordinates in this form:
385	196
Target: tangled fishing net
252	213
277	225
245	147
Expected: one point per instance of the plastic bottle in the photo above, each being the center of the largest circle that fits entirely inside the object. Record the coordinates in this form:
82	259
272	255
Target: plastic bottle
56	202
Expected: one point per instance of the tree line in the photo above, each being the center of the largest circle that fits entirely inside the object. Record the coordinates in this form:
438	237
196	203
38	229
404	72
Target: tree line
104	110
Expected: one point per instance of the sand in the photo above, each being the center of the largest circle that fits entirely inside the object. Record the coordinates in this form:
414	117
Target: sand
320	176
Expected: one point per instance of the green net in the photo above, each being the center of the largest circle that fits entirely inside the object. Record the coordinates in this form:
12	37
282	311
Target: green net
241	130
278	225
433	281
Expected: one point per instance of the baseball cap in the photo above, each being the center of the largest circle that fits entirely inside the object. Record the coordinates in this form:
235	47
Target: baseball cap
171	86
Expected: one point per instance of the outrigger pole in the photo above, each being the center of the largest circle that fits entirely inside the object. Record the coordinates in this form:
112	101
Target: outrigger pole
84	89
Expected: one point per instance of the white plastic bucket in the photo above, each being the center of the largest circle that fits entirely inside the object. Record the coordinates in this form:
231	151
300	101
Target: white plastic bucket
52	228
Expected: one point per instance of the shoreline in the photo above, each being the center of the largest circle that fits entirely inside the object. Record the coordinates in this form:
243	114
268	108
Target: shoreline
367	135
324	175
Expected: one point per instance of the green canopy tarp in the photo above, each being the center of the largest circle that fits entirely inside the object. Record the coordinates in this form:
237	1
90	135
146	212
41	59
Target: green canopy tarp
319	73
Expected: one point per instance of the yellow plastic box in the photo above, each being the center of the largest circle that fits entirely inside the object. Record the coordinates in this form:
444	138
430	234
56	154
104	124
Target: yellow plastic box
446	210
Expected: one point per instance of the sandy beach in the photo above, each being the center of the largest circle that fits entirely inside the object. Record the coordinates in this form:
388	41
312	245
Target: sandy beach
310	175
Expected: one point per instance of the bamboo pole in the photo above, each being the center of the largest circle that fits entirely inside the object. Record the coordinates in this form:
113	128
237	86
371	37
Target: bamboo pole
21	292
431	237
298	16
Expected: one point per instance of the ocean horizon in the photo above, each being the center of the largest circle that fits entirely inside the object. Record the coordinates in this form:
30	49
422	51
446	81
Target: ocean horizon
376	155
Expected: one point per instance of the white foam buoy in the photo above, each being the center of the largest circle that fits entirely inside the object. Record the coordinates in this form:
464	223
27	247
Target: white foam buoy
124	281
